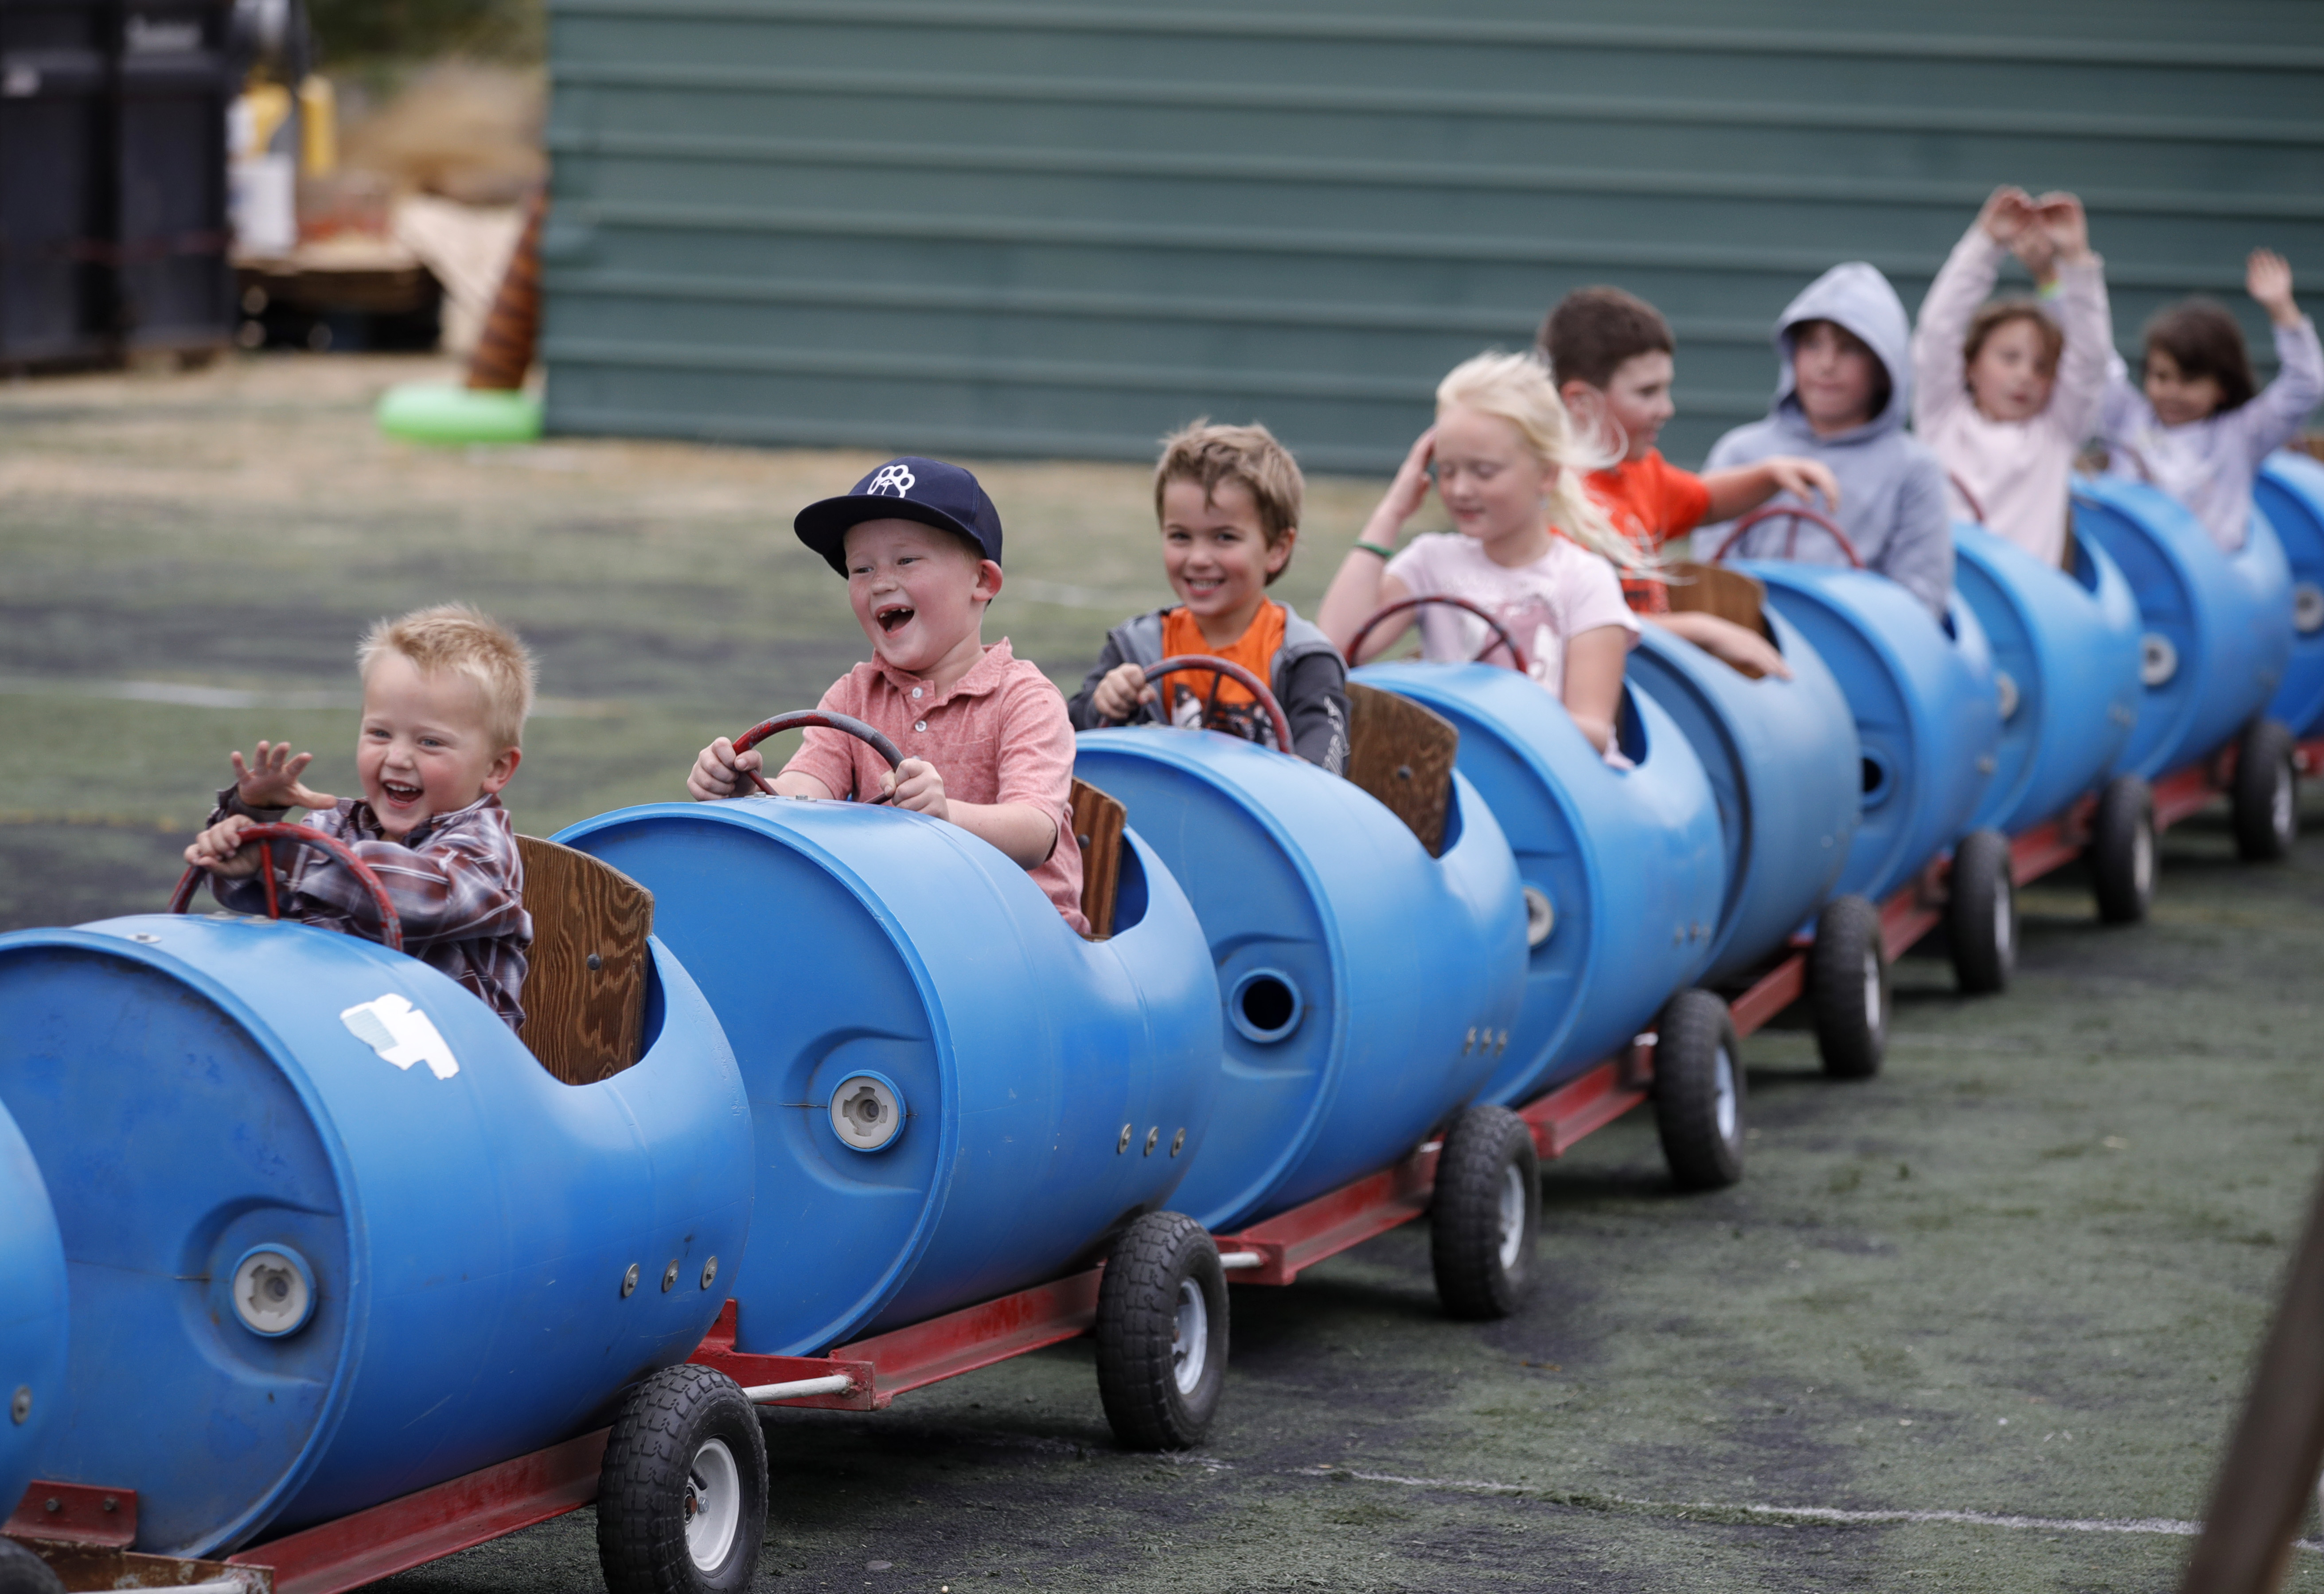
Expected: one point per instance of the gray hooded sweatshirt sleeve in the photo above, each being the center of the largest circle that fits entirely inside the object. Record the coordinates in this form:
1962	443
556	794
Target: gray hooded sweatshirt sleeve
1892	488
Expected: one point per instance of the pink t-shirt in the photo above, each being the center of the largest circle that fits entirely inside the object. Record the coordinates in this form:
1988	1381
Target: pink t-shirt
1000	735
1567	591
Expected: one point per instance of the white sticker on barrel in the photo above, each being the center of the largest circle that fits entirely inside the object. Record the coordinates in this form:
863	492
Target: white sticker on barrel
401	1033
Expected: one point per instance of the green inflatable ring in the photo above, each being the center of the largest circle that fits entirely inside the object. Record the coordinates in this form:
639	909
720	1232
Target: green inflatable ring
432	412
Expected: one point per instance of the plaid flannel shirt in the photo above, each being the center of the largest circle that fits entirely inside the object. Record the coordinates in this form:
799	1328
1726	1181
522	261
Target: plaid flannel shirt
457	882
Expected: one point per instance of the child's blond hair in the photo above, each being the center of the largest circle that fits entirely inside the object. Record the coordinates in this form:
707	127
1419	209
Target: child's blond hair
1519	389
1248	454
467	643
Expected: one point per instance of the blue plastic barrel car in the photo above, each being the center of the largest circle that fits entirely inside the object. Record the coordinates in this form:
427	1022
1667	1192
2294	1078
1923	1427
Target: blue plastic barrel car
2290	492
2215	647
1783	761
2066	660
955	1095
1369	986
1624	869
333	1234
32	1314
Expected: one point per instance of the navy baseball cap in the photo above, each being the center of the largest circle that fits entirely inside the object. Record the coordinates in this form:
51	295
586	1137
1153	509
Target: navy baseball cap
911	488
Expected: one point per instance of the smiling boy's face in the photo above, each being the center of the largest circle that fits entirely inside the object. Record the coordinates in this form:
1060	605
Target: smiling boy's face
917	591
425	748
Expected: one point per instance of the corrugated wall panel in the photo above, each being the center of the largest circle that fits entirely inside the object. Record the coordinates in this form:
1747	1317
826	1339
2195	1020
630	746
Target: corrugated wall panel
1065	228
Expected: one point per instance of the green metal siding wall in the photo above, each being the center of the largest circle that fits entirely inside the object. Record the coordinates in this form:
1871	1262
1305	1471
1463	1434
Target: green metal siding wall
1064	228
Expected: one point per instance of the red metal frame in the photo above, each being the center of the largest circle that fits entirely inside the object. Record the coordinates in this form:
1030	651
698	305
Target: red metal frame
1277	1251
86	1538
884	1366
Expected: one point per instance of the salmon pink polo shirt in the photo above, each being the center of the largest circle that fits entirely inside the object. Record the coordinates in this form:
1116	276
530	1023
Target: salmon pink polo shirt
999	735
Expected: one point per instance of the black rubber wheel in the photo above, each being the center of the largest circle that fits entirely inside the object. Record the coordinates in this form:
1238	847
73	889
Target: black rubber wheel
1981	920
23	1573
1848	988
682	1492
1162	1334
1699	1091
1486	1213
2266	794
2122	850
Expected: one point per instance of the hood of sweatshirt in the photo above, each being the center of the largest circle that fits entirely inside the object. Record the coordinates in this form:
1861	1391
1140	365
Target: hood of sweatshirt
1857	296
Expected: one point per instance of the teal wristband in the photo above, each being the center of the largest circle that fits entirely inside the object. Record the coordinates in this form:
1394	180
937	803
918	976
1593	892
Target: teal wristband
1374	547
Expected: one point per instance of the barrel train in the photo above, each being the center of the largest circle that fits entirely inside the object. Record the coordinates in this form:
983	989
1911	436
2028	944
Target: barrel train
309	1271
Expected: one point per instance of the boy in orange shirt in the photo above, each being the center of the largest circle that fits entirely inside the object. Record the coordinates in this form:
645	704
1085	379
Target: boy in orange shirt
1228	498
1612	355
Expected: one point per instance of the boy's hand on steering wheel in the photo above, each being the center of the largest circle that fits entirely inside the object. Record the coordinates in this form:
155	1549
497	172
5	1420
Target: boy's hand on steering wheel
916	786
719	771
1118	696
219	848
271	779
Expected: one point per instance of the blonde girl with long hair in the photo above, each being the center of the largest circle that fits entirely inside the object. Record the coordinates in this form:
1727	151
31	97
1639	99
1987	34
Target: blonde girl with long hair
1529	546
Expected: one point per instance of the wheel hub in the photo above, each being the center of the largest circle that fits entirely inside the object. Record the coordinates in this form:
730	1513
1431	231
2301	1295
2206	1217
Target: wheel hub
1513	1216
713	1506
1190	1338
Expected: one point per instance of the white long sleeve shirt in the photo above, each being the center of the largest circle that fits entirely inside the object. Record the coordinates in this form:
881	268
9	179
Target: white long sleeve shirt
2019	471
2209	465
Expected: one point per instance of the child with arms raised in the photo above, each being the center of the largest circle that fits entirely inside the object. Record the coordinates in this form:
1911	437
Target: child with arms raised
446	691
1228	498
1531	548
1613	358
988	746
2006	392
2194	427
1841	400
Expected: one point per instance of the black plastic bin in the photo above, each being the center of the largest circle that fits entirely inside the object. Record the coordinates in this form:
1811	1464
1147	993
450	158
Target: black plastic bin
174	283
57	178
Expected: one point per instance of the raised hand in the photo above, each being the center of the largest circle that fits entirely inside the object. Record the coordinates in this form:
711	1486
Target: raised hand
1406	492
271	779
2006	214
2065	224
2267	278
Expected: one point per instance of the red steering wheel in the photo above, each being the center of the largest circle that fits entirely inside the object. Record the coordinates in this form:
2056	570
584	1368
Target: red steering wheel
1501	637
819	719
1240	677
390	923
1797	512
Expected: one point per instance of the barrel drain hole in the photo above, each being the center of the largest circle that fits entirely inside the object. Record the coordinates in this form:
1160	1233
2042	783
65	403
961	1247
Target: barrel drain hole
1264	1005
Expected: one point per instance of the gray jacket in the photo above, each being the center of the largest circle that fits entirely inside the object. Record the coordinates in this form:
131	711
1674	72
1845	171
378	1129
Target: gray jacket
1309	679
1891	487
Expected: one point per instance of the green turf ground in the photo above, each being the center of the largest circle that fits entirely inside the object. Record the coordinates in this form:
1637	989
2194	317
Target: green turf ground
2017	1276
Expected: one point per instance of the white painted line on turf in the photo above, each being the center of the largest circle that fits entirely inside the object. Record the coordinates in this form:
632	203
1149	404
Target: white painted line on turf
2159	1526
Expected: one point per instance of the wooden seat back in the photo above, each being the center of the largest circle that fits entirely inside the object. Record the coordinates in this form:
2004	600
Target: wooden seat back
1730	594
1402	753
585	984
1097	821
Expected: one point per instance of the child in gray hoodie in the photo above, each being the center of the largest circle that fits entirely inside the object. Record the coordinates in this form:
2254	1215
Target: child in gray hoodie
1841	399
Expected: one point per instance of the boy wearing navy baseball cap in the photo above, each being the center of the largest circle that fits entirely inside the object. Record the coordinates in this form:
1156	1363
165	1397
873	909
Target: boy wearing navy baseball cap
986	741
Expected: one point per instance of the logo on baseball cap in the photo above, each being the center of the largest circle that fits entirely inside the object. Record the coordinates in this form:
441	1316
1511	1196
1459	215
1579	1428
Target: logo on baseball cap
911	488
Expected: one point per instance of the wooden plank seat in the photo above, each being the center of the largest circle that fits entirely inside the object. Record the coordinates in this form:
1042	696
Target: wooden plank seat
585	984
1402	752
1097	821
